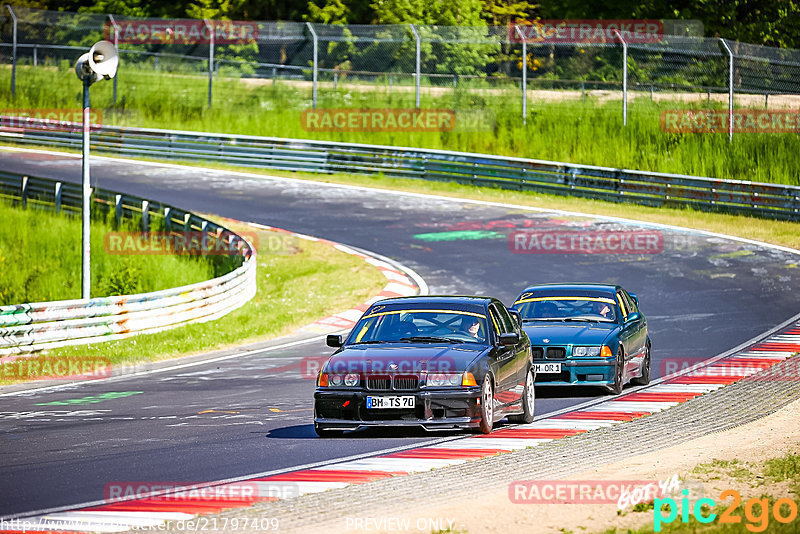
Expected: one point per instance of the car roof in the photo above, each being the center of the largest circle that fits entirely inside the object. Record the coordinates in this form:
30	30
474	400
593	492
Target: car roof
572	289
464	303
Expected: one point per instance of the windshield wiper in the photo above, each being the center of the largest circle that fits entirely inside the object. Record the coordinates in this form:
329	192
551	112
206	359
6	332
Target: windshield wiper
589	319
430	339
559	319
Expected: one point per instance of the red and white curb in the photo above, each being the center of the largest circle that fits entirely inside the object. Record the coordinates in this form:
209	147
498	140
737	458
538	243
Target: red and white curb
157	510
399	284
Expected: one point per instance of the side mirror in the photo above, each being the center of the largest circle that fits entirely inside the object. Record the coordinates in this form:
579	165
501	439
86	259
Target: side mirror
511	338
635	316
333	340
516	315
634	297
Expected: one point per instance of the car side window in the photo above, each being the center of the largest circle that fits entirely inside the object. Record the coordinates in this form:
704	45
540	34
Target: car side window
499	327
510	325
622	305
629	302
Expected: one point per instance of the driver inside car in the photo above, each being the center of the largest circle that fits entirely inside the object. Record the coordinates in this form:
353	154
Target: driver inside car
471	326
602	308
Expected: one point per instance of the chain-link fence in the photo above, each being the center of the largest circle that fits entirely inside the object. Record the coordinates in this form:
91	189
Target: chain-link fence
415	64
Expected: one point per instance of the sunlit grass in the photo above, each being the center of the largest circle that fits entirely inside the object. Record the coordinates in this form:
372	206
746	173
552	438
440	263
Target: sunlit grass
569	130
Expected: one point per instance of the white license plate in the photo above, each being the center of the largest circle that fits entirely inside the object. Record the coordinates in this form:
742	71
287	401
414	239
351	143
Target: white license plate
390	402
547	367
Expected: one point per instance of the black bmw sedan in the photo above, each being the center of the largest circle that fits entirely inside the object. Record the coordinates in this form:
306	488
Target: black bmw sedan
431	361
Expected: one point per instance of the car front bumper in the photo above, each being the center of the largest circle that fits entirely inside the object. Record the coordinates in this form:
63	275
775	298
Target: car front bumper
434	409
578	373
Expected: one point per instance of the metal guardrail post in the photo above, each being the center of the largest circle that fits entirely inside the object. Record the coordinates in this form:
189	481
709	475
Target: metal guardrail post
524	74
417	68
116	45
59	188
730	88
315	66
210	58
24	191
118	209
13	53
624	77
145	215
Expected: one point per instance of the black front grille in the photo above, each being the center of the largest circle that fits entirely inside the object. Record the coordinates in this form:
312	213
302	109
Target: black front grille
379	383
405	383
538	353
556	353
392	383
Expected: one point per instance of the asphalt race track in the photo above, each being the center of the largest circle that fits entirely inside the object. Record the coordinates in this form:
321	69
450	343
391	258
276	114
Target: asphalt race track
702	295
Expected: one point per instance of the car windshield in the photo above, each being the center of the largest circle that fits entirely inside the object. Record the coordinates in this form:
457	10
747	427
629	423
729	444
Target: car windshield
420	326
589	309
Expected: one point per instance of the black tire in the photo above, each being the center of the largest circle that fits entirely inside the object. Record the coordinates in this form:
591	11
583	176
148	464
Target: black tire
327	432
528	402
616	387
487	406
644	379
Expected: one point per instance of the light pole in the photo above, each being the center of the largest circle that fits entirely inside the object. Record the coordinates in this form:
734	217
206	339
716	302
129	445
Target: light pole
99	63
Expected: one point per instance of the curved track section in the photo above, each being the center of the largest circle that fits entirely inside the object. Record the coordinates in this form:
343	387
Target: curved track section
702	294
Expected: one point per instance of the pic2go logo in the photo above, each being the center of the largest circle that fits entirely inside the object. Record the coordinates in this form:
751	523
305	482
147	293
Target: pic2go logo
756	511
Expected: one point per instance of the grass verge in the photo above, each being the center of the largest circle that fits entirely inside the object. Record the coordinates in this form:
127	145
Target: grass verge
558	128
40	260
298	281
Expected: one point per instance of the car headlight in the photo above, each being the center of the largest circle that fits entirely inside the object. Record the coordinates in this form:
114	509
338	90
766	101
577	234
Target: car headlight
335	380
444	379
591	352
332	380
351	380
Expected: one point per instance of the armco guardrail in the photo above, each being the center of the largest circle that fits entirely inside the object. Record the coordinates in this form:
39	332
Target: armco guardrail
620	185
31	327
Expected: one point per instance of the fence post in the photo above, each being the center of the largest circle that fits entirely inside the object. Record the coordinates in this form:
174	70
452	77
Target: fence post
210	58
624	77
314	70
13	53
24	192
116	45
417	66
145	216
59	187
36	55
730	88
524	74
118	209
